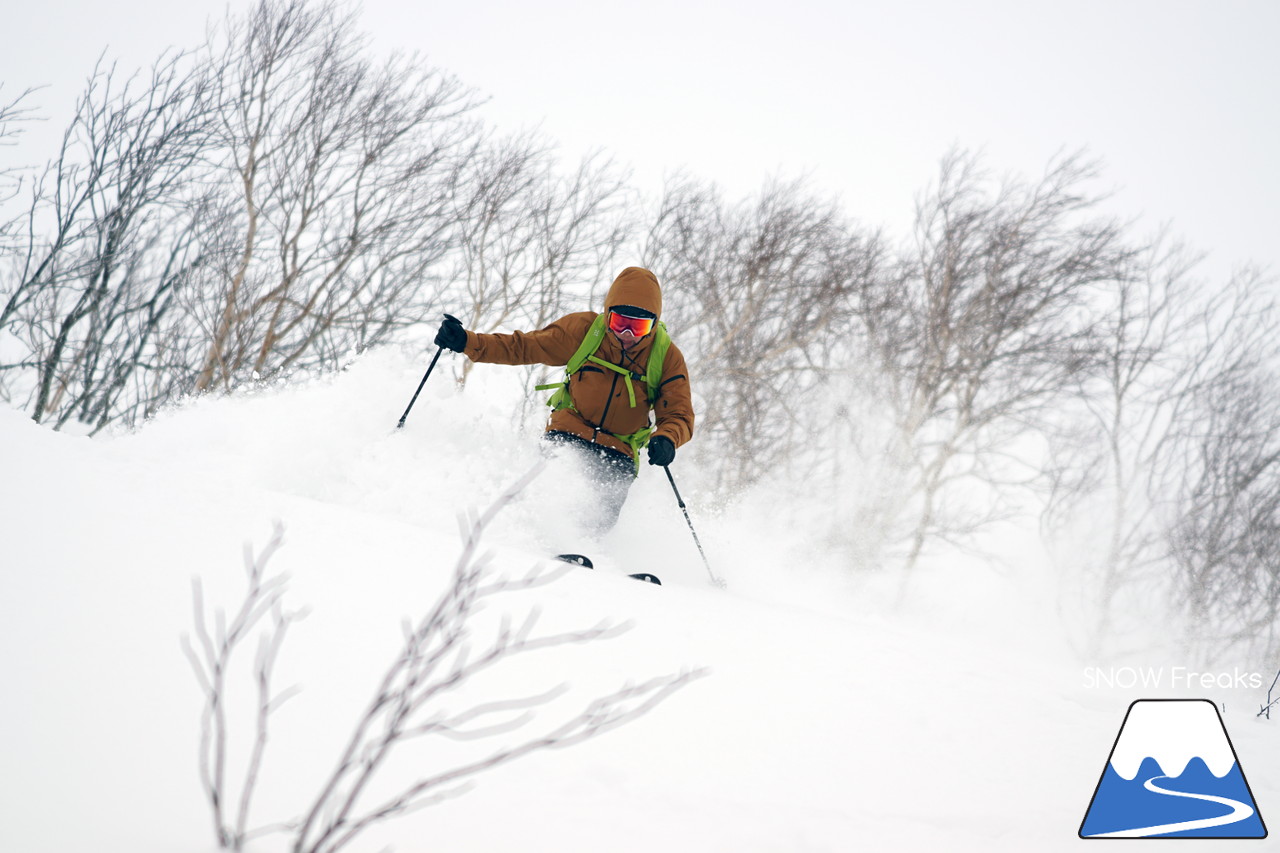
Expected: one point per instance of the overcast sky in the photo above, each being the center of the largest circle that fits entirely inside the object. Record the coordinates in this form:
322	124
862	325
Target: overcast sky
1181	100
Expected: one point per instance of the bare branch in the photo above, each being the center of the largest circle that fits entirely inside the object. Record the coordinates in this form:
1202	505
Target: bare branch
262	596
440	653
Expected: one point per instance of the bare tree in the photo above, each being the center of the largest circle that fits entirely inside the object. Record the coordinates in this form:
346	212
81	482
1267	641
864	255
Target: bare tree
581	222
343	172
764	289
531	238
12	116
1219	485
504	176
1225	541
1165	339
984	330
440	655
106	245
277	202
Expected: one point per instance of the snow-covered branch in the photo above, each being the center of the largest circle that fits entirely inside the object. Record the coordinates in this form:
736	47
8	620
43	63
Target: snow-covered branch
210	658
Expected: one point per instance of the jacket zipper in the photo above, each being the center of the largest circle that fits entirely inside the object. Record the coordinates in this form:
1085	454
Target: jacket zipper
604	416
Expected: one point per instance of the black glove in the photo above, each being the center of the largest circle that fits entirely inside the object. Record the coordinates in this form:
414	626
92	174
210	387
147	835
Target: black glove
662	451
452	335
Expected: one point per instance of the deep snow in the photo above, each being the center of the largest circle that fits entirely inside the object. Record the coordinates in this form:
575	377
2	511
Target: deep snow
833	718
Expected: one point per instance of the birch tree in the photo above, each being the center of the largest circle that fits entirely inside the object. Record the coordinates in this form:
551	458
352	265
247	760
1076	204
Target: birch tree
984	332
343	172
759	291
109	239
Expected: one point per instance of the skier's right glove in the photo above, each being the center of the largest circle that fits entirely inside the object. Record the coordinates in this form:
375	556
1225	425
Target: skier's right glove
452	335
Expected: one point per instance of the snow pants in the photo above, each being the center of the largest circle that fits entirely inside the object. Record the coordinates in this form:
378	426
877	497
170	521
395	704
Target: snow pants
609	472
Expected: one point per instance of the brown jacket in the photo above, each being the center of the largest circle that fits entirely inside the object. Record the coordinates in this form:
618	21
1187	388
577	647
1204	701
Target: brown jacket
603	409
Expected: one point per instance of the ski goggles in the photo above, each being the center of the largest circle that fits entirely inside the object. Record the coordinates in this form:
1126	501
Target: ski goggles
638	326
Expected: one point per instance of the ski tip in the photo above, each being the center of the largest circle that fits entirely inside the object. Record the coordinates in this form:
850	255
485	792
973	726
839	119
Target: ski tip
585	562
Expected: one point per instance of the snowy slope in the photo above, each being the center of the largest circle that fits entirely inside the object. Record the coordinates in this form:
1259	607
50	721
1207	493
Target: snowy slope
831	718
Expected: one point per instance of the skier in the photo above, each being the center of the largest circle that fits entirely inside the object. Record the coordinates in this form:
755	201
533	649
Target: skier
619	367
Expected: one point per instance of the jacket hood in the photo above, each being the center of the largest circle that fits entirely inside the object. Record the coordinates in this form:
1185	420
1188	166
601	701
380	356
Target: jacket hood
635	286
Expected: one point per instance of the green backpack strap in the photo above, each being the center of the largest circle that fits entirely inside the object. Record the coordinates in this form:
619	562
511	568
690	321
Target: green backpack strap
657	357
590	343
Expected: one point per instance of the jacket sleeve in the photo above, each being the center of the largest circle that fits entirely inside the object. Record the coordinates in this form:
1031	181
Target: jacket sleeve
554	345
673	409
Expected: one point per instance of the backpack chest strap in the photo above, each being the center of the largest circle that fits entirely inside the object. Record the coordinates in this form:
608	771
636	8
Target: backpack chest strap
626	374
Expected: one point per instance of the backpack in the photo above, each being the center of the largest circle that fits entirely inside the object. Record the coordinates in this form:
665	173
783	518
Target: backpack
652	376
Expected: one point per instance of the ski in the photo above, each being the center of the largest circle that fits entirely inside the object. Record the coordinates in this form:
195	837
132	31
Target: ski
585	562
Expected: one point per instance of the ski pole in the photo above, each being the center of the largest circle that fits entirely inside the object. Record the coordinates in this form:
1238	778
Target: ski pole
425	376
685	509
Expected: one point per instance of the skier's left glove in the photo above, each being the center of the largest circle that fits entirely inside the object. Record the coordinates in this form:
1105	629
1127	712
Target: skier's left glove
662	451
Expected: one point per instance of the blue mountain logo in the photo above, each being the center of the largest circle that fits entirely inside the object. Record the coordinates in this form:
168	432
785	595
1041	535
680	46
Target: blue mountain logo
1173	773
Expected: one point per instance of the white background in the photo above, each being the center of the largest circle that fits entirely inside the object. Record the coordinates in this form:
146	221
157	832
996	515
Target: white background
1180	99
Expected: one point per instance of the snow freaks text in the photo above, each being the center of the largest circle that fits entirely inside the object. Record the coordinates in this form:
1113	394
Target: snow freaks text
1170	678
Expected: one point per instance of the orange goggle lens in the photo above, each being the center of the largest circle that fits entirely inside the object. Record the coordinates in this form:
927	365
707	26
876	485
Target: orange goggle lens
638	326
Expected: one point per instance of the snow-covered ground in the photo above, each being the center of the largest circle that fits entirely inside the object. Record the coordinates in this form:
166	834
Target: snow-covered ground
833	717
